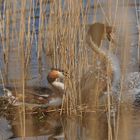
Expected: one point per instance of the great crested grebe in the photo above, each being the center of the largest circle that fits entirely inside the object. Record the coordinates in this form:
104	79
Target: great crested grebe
55	88
104	73
97	32
47	96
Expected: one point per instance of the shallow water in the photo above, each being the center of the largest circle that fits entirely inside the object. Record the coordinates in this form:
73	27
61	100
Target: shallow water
49	125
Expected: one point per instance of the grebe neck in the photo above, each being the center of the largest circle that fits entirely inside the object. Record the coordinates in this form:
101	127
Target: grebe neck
58	85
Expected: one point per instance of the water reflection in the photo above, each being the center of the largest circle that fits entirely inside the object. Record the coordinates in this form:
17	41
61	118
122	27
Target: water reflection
50	125
38	124
53	126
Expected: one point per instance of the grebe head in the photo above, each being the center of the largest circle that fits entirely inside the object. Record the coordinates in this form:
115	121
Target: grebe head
54	74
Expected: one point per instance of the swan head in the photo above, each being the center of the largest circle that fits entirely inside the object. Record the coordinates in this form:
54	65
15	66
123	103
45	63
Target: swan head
54	74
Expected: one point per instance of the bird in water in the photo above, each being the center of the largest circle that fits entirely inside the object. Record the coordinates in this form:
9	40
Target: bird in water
102	77
55	88
44	96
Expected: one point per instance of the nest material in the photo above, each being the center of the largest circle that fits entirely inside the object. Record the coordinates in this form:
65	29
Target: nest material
5	107
9	109
35	119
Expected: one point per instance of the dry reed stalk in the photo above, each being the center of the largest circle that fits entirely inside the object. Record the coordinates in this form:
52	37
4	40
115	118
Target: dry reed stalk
7	54
110	131
138	24
40	38
28	48
50	34
3	44
125	58
22	47
95	10
109	14
14	45
15	42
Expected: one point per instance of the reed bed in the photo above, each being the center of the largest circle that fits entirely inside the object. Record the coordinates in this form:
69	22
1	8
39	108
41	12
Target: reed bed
37	35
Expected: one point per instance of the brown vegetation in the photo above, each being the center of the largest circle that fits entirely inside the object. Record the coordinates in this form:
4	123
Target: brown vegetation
63	40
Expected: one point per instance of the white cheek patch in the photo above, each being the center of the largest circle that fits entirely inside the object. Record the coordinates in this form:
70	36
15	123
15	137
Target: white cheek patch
60	75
